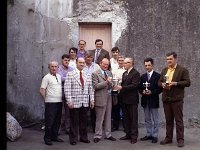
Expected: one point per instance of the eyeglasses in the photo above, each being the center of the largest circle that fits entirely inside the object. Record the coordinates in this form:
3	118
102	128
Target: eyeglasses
126	62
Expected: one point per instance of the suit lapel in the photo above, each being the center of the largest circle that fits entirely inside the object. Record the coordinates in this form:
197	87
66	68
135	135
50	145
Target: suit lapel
85	77
101	75
77	77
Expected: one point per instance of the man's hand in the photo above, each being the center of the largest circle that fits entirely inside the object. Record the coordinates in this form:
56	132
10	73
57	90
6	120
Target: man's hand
92	104
109	79
147	92
166	86
117	87
70	105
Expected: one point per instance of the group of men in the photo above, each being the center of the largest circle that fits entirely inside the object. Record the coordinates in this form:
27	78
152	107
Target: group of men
89	86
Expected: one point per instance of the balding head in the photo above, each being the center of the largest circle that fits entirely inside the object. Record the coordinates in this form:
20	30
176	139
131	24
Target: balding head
128	63
104	64
53	66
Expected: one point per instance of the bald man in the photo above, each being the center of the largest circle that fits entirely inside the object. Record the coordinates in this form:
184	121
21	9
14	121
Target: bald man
102	83
51	91
78	91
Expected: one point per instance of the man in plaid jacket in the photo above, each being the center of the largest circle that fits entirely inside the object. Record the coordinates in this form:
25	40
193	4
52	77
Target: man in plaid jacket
79	96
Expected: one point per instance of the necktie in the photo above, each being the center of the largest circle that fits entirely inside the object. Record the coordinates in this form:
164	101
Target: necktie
105	75
81	79
97	55
148	74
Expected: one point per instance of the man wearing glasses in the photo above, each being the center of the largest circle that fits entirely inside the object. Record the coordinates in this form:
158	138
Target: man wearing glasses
130	99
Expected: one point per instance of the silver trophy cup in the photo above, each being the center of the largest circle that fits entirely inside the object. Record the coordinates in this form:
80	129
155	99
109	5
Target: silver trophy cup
115	81
166	79
146	85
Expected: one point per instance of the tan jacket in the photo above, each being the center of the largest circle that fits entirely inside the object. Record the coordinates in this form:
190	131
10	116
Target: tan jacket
101	88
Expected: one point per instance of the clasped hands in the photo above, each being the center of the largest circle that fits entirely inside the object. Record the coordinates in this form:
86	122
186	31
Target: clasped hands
168	86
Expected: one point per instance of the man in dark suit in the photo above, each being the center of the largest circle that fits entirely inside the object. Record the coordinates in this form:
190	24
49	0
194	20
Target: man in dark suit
150	100
130	99
174	79
99	53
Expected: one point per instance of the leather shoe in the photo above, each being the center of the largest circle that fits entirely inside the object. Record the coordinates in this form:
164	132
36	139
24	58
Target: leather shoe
111	138
48	142
146	138
165	141
180	144
133	141
84	141
154	140
125	138
57	140
96	140
73	143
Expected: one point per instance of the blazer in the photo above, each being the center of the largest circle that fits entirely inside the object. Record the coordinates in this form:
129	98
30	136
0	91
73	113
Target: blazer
176	93
103	54
101	87
75	93
152	101
130	84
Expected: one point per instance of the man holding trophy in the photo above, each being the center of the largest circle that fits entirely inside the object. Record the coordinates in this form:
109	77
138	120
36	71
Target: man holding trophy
150	100
173	80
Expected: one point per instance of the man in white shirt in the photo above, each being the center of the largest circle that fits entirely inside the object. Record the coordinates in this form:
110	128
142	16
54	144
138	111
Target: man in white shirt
113	60
51	91
117	73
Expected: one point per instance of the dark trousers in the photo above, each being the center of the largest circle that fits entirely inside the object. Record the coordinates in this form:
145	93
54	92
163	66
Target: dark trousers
130	120
78	123
174	110
53	112
93	118
116	117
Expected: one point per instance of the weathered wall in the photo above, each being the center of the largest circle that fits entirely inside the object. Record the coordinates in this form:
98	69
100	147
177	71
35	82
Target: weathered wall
42	30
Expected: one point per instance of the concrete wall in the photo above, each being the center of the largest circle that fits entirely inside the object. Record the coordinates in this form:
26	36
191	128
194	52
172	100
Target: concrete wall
42	30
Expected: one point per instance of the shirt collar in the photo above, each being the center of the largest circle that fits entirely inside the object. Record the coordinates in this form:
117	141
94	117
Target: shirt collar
173	67
150	73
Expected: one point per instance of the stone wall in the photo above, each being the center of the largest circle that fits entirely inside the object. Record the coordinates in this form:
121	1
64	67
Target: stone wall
42	30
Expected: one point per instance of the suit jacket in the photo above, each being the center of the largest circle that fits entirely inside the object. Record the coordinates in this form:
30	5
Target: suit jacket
176	93
101	88
75	93
151	100
103	54
130	84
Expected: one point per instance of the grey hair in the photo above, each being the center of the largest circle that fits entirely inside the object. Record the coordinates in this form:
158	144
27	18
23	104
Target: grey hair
52	62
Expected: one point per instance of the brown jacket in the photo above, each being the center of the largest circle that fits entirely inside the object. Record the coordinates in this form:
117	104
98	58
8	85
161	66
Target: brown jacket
176	93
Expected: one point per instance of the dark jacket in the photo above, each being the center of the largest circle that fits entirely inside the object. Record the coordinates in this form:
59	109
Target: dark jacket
151	100
103	54
176	93
130	83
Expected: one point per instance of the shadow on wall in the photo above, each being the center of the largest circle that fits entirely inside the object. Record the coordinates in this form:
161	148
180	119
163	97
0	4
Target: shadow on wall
21	114
11	2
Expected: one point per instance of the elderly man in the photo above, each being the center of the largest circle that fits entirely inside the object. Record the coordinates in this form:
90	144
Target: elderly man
102	83
130	99
78	89
174	78
51	91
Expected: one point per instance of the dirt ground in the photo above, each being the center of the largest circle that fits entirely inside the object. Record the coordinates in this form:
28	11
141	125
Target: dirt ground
32	139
